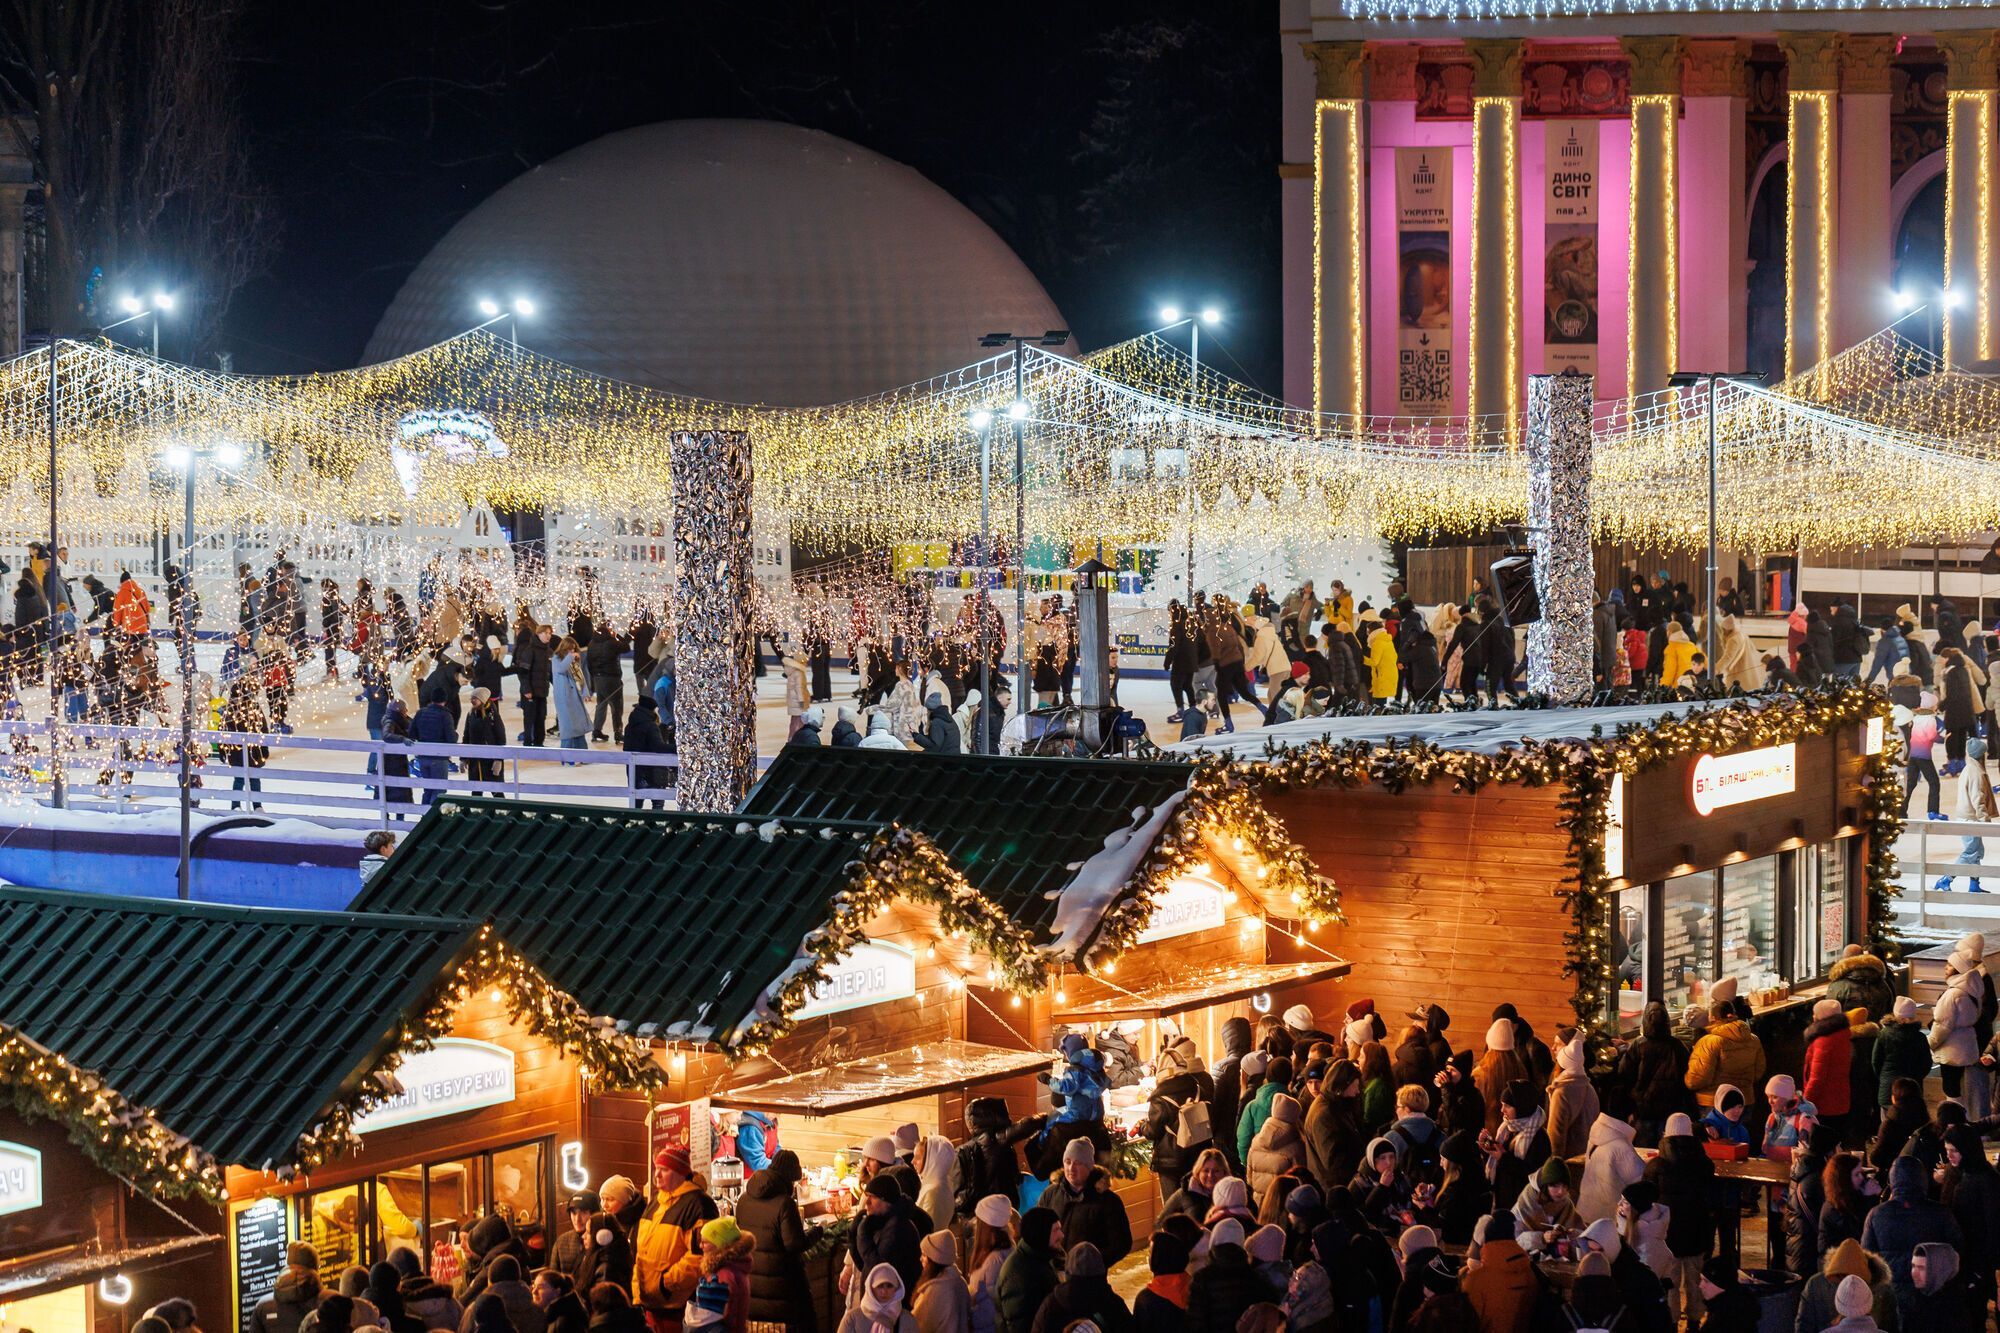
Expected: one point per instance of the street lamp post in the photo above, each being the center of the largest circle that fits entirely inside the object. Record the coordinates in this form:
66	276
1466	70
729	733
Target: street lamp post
1017	412
1173	319
181	612
1685	379
520	308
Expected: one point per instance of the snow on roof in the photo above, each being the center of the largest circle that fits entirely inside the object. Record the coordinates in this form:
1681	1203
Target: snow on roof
1484	731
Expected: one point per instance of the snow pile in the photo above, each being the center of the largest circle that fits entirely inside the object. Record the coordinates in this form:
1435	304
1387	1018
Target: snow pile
1101	880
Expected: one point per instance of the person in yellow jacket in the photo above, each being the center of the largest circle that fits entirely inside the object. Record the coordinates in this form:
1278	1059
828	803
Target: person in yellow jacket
1728	1052
1381	659
665	1264
1677	656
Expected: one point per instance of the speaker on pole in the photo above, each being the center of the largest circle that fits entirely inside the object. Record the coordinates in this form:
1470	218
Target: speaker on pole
1514	583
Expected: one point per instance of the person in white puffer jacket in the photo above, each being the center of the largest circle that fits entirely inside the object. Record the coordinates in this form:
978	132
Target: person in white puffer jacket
1953	1040
1612	1164
1642	1221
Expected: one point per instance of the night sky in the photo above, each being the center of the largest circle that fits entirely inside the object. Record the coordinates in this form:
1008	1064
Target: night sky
1127	151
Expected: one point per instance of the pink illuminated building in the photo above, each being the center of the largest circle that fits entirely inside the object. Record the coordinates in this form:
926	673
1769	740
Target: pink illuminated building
1480	190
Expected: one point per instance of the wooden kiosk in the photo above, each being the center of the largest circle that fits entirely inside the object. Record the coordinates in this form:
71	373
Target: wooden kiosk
1580	862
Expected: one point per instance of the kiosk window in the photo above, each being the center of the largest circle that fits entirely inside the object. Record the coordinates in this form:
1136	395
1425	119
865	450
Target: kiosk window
335	1224
1628	952
1827	868
1750	923
1687	939
517	1184
454	1194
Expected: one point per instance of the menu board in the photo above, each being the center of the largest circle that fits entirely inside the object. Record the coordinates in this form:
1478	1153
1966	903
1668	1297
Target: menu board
676	1127
260	1235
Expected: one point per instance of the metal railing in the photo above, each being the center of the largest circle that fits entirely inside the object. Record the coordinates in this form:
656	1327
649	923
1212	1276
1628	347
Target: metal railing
129	768
1938	842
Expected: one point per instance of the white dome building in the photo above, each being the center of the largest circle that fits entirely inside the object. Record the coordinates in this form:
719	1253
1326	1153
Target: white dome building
747	261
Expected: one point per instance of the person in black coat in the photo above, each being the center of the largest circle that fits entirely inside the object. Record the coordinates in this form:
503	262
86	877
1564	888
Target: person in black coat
1653	1070
1683	1174
487	670
1081	1197
940	734
1972	1191
484	726
1803	1200
534	667
562	1310
1850	640
1227	1285
643	735
886	1233
1238	1038
779	1291
1463	1197
845	737
1084	1293
989	1162
1181	1079
1422	673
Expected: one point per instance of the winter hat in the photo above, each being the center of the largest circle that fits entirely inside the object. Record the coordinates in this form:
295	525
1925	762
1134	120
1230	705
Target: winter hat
881	1149
1604	1232
1679	1126
940	1247
1848	1260
721	1233
1640	1196
907	1137
1285	1109
1230	1192
1570	1056
1555	1171
1080	1150
844	714
814	716
1974	943
1300	1019
493	642
1167	1254
1493	1226
1376	1147
1724	989
1500	1037
1254	1063
1780	1088
1521	1095
994	1210
1593	1265
407	1262
1228	1231
1694	1016
1266	1244
1728	1097
1036	1226
1303	1201
885	1187
1960	962
1826	1008
1342	1074
1853	1297
504	1268
1975	747
1359	1009
622	1187
1315	1072
1904	1010
675	1159
481	694
1415	1240
301	1255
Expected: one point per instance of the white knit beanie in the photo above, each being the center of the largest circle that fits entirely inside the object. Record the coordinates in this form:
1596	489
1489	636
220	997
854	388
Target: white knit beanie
994	1210
1852	1297
1500	1037
1679	1126
1300	1018
1230	1192
1266	1244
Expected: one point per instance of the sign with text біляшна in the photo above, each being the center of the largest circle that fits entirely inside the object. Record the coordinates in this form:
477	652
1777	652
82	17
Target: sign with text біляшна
1736	779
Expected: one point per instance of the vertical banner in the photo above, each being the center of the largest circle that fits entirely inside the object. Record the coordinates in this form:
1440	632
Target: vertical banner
1569	253
1423	282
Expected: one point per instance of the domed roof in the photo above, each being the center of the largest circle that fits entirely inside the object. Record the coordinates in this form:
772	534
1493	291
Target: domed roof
747	261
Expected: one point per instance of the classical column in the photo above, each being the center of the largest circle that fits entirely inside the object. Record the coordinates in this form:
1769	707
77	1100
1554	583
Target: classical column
715	708
1715	231
1812	174
1340	187
1560	644
1974	60
1653	264
1493	370
1866	244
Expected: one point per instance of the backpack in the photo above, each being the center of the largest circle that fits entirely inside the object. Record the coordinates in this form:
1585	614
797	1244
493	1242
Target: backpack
1196	1126
1412	1153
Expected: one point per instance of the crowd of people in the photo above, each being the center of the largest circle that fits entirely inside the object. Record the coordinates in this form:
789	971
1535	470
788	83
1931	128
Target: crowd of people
1364	1174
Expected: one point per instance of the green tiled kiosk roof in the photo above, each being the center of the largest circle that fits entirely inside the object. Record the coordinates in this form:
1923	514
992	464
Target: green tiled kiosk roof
1014	827
236	1026
674	924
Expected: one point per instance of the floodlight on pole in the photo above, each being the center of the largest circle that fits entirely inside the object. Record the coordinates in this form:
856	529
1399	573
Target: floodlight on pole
524	307
979	419
1017	410
163	300
1170	314
489	307
1210	315
131	304
1902	300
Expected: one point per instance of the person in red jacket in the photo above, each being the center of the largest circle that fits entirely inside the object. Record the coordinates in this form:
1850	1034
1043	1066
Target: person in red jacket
1829	1057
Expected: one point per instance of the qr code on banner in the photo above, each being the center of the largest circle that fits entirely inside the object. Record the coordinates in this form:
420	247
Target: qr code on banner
1423	376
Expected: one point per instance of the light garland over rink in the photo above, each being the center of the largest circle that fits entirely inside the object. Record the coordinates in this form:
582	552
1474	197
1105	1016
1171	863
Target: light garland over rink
1819	461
